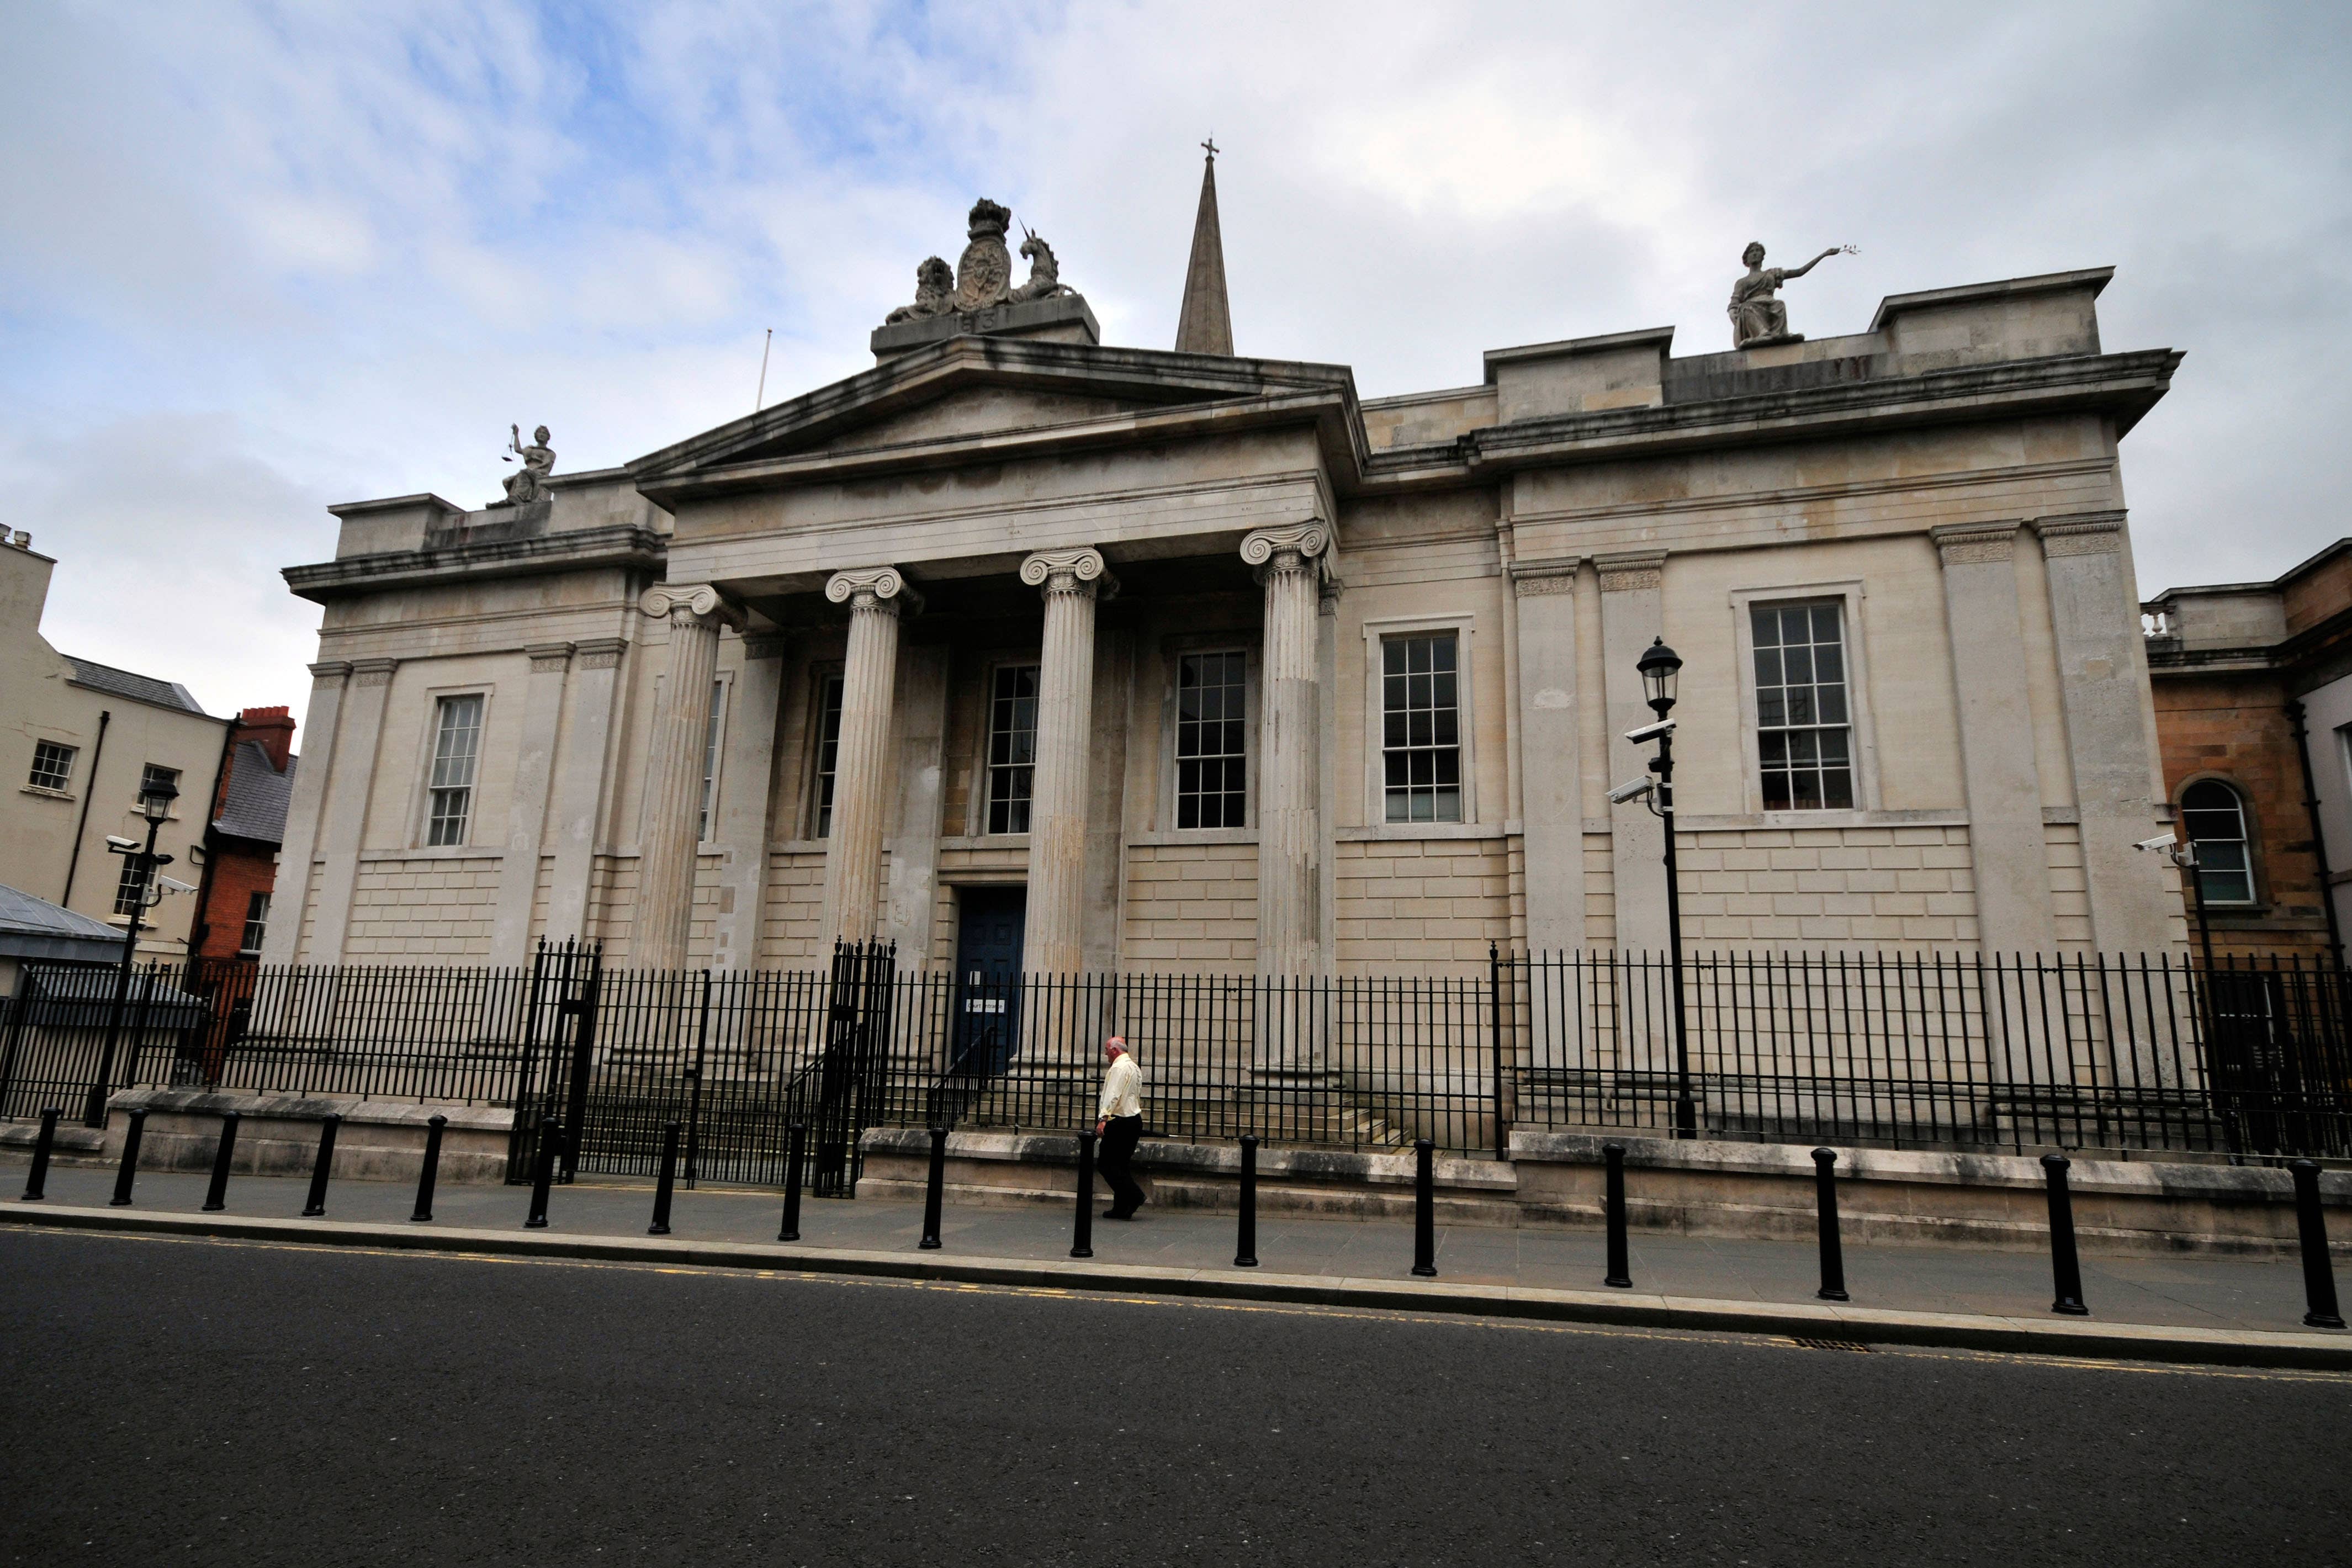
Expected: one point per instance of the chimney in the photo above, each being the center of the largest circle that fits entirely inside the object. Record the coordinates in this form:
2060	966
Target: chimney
274	727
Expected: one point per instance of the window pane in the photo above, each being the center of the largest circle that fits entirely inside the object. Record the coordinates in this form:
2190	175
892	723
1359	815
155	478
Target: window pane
1012	747
1210	766
457	740
52	765
1420	728
828	749
1802	713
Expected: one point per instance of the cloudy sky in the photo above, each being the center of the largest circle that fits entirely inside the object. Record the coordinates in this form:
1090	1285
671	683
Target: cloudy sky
259	259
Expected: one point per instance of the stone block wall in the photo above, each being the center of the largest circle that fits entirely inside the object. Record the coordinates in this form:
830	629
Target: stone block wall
423	910
791	908
1876	887
1429	904
1192	908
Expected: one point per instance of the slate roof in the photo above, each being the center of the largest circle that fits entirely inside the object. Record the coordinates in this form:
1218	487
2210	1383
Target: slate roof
35	928
253	803
138	687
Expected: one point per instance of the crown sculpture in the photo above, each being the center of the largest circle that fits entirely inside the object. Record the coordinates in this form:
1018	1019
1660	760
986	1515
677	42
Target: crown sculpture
983	278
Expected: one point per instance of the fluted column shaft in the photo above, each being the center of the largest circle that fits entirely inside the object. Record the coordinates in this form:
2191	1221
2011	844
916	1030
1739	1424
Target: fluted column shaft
852	852
681	732
1053	936
1290	829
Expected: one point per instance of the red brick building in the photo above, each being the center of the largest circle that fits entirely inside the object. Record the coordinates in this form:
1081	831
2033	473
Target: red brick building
248	819
2253	717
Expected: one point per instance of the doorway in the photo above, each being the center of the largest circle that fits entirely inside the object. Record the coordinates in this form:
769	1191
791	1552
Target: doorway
988	977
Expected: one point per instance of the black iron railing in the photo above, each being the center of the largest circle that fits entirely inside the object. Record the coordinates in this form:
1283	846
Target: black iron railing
1992	1052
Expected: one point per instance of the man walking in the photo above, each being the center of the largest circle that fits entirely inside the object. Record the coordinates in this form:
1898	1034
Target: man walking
1118	1122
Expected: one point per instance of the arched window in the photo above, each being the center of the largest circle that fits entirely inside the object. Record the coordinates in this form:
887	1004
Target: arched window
2213	817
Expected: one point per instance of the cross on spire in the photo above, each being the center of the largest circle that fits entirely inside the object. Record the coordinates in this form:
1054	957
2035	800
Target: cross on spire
1211	144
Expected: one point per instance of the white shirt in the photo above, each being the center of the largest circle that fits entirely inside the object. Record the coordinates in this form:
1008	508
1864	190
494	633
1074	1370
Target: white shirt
1121	1089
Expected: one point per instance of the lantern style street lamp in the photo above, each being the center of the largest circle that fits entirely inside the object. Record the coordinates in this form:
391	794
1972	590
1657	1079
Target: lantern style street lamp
1658	667
155	805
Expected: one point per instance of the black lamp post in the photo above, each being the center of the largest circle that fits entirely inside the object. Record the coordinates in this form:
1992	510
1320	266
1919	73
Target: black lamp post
1658	667
155	805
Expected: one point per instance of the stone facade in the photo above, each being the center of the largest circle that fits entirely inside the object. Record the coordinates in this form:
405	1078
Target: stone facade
2254	693
841	666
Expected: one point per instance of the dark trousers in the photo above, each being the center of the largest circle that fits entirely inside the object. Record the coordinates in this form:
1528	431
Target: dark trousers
1117	1154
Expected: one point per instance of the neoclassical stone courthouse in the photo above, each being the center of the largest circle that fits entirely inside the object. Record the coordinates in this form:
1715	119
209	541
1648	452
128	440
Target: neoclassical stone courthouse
1022	649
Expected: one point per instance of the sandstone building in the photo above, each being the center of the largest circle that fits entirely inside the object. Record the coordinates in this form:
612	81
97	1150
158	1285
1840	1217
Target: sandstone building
1023	649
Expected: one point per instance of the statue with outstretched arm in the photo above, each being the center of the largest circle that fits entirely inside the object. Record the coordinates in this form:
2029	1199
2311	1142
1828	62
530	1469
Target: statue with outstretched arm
1756	316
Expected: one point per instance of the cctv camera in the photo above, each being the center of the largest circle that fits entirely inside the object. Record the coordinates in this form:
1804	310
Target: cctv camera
1651	732
2161	841
123	846
1631	791
173	885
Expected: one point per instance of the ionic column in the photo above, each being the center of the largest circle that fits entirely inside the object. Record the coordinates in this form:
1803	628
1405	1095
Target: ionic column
853	853
680	736
1289	813
1052	938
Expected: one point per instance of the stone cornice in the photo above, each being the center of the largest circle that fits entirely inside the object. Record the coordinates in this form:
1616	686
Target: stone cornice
622	545
1975	543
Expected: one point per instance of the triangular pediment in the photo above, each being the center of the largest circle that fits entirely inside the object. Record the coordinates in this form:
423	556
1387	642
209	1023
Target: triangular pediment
943	403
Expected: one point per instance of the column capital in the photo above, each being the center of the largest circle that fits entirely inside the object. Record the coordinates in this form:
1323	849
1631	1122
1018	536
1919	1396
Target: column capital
1630	572
1287	547
1079	571
1975	543
374	671
2084	533
330	669
1530	578
766	645
548	657
883	589
600	653
700	601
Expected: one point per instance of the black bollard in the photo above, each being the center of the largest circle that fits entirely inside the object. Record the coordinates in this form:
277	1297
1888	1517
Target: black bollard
1424	1204
2318	1270
217	1196
934	1189
1832	1250
2064	1266
1246	1244
1082	1245
36	1180
662	1186
129	1170
551	1135
430	1170
321	1167
795	1153
1621	1275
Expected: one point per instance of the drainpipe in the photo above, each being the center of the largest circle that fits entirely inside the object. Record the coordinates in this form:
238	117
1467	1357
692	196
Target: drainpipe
88	789
2318	842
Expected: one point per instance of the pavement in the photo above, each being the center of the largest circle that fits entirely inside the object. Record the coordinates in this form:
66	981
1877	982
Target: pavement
2187	1307
235	1401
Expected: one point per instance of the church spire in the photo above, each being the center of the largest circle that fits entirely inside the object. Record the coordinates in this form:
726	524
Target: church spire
1205	324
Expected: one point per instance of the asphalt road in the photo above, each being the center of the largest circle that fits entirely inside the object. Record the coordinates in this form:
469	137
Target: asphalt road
220	1401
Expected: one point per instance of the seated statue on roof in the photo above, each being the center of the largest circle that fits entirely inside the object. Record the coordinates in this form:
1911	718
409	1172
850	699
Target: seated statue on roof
1757	318
528	483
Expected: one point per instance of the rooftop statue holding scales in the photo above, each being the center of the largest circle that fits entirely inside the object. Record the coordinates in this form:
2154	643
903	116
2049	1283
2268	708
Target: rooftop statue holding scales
528	483
1758	319
983	278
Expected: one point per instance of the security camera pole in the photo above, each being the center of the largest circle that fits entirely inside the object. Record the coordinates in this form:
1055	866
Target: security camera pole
1658	666
155	805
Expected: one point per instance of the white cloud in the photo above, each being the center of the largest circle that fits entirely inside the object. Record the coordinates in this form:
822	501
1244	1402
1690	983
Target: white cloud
258	259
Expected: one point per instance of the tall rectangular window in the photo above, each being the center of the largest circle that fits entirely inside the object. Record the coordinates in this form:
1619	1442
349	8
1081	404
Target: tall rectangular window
1211	739
711	761
52	765
456	745
131	887
257	925
1804	740
1012	746
828	749
1421	727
